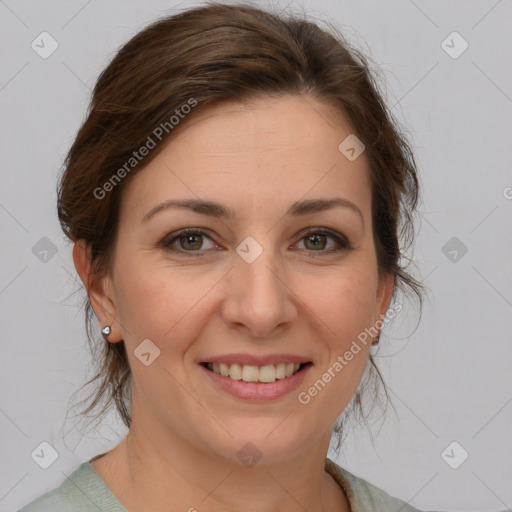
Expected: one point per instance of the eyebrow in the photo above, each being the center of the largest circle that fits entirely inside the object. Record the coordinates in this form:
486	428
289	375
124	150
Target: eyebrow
218	210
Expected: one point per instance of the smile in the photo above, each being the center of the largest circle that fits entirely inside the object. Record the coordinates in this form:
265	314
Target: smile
250	373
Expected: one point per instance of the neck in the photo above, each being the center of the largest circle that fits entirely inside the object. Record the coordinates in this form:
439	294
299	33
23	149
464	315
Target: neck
165	472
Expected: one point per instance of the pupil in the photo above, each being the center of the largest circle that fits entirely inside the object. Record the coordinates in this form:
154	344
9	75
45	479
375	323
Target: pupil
315	239
190	239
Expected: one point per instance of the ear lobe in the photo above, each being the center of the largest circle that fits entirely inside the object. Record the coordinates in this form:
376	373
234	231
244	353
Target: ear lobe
98	288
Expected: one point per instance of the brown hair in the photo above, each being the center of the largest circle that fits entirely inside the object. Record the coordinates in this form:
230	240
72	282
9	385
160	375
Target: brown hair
211	54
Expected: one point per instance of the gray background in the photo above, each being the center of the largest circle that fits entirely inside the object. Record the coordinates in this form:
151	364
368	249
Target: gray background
449	381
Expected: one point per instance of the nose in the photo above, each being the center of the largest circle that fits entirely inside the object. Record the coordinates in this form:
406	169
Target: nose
259	298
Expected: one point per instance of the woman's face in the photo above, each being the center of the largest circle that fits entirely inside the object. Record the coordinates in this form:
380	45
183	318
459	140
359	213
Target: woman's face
283	279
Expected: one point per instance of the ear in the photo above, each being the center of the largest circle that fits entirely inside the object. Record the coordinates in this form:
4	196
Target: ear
384	294
99	290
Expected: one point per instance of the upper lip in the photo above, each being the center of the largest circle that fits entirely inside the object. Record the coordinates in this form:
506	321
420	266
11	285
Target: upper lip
254	360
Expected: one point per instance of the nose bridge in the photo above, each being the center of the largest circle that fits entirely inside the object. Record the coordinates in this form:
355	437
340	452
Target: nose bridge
258	270
258	297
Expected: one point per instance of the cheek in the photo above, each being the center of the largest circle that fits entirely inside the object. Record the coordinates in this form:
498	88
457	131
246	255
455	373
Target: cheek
345	306
157	302
346	303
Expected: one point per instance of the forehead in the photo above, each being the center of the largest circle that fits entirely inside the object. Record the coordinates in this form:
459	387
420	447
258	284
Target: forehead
300	123
283	149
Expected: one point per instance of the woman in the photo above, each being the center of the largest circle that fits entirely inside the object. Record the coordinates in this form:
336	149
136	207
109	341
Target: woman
236	198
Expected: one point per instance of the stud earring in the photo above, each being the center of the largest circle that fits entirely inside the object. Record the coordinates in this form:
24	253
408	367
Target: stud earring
105	331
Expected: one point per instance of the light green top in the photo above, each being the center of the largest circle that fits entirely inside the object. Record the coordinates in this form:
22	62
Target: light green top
85	491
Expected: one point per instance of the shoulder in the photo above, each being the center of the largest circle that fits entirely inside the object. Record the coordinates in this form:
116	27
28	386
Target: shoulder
82	491
363	495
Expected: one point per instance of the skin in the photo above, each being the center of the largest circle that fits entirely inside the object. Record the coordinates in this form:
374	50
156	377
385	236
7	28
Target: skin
256	158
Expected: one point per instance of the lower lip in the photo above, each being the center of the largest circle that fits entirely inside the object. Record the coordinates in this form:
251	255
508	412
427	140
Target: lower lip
258	391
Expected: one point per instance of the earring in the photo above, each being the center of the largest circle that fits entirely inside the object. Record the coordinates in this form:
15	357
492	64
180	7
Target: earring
376	340
105	331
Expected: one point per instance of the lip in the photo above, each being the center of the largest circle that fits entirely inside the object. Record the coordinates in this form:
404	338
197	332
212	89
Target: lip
260	391
254	360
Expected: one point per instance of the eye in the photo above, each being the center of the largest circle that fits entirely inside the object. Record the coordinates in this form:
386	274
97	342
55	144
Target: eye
191	241
316	240
188	240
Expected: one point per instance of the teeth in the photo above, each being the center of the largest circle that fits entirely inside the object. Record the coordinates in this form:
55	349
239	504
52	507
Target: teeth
280	371
251	373
235	372
267	373
224	370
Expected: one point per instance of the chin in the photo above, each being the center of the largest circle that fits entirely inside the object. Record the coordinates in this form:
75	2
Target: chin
269	441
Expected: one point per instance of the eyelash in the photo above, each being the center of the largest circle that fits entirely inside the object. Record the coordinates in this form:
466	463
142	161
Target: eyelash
169	240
